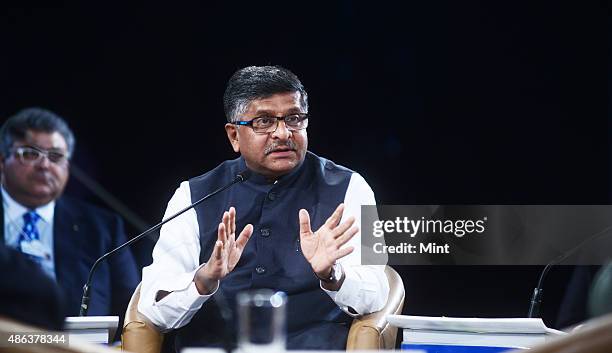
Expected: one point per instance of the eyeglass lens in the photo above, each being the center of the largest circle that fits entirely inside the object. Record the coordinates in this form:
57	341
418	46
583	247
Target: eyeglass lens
269	124
31	155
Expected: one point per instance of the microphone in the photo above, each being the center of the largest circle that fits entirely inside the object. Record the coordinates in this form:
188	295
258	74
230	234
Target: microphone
240	177
536	297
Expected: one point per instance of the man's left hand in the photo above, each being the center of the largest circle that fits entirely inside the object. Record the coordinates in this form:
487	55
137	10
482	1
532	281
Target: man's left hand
323	248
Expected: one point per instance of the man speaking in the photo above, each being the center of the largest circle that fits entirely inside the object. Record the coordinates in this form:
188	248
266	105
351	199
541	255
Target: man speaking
292	226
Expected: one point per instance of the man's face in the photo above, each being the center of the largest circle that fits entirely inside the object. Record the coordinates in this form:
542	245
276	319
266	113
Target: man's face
276	153
34	184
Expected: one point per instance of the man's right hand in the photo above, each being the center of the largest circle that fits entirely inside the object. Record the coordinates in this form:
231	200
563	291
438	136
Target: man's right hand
225	255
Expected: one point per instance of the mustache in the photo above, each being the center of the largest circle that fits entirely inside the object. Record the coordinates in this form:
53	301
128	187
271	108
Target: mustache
288	145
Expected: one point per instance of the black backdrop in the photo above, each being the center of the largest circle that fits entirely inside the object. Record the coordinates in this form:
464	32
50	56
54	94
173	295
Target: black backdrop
433	102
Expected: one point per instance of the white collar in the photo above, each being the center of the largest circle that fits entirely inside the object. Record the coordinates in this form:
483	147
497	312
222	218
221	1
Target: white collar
15	210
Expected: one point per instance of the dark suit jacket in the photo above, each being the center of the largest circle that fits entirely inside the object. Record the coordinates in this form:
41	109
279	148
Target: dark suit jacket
82	233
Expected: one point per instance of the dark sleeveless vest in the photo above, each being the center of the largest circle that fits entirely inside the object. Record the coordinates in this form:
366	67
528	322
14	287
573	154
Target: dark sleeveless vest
273	257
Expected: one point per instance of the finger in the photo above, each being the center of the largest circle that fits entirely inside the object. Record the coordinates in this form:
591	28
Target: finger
231	241
343	227
305	229
232	220
221	234
346	236
231	228
340	253
217	251
226	222
244	237
335	218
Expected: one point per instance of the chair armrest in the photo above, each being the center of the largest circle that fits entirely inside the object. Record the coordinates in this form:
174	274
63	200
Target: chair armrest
365	333
372	331
139	335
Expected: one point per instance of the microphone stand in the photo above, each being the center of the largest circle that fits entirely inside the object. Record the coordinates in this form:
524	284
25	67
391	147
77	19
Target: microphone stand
87	287
536	297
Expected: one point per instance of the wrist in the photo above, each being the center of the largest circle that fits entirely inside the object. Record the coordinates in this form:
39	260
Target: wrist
325	275
333	275
206	287
204	283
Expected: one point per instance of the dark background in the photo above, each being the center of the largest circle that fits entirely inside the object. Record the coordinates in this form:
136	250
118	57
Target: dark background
432	102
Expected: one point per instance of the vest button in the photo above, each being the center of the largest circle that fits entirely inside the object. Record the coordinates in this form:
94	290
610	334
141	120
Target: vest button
265	232
272	196
260	270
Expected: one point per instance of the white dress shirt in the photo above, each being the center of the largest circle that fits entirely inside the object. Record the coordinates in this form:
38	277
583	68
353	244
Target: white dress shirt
176	260
13	226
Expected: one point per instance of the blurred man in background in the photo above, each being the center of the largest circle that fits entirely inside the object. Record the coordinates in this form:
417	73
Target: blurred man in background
61	235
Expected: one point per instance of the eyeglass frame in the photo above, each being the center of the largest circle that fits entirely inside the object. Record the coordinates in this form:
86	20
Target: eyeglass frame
19	150
303	117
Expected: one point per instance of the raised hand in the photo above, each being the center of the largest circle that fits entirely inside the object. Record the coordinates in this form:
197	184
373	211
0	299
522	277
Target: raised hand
225	255
323	247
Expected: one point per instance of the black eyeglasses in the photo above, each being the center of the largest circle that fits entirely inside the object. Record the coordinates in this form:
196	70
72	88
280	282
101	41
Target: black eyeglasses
33	155
268	124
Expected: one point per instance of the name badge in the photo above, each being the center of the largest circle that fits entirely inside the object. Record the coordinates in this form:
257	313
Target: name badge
33	248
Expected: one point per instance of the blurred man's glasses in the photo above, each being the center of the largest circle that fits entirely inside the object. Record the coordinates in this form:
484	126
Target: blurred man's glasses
268	124
33	155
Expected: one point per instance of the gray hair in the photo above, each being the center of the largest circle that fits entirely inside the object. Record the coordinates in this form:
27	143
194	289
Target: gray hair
36	119
256	82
